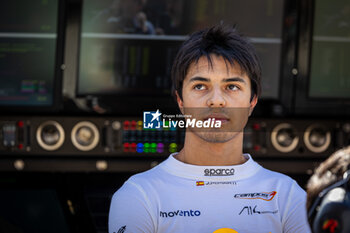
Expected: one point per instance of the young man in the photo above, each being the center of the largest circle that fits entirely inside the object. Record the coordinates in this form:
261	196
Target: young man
210	185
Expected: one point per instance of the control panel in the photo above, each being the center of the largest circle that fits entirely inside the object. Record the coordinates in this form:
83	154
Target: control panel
108	136
88	136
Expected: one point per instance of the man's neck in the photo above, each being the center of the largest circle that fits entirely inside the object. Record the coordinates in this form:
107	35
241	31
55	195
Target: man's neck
197	151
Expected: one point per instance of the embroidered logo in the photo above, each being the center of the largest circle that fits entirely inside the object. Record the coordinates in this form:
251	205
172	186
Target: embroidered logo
121	230
263	196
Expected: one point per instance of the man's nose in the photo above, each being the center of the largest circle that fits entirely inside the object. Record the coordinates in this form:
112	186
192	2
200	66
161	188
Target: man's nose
216	98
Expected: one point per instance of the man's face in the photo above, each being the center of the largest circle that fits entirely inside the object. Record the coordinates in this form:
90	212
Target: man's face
222	92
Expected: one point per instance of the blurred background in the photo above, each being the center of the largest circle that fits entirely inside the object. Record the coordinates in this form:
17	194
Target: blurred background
76	76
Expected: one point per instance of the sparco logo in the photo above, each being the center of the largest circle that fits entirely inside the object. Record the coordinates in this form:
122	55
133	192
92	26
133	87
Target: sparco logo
181	213
219	172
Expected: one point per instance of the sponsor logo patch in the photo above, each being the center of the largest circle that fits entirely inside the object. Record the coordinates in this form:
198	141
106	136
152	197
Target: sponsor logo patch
180	213
263	195
121	230
202	183
225	230
253	210
219	172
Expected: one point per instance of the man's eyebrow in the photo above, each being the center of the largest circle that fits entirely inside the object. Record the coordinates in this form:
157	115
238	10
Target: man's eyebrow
197	78
234	79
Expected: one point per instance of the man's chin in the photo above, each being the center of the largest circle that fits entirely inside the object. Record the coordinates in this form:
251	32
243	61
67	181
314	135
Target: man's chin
217	137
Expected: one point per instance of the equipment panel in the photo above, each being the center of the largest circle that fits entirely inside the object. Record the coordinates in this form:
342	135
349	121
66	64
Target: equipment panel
116	136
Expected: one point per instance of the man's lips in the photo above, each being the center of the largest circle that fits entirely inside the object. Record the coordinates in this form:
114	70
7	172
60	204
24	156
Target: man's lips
219	117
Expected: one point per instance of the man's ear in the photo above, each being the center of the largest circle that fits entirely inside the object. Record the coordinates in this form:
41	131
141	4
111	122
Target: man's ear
252	104
180	103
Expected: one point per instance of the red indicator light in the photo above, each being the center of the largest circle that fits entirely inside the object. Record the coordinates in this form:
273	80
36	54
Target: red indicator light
133	125
256	126
126	125
257	147
133	147
126	147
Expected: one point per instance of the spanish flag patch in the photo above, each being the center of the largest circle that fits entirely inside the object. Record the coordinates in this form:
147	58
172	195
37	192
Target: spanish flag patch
199	183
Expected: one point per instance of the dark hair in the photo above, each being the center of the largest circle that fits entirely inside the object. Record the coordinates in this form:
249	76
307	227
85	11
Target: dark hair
223	41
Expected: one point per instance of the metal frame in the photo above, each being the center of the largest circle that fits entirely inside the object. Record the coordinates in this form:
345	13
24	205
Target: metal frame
304	105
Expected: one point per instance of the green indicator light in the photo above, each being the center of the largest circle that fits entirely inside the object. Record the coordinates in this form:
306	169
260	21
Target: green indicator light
153	150
172	150
146	145
153	145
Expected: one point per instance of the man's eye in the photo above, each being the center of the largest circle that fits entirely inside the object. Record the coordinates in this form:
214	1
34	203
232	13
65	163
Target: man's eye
232	87
199	87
